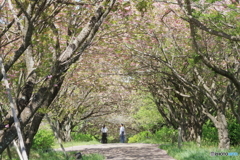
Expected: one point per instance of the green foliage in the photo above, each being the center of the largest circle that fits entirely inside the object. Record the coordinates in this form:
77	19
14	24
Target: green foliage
211	1
209	133
93	157
147	115
190	151
165	134
143	5
139	137
82	137
196	13
194	59
44	139
112	139
234	132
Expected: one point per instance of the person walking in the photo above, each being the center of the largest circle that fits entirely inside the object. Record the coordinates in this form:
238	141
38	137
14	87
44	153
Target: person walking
104	134
122	133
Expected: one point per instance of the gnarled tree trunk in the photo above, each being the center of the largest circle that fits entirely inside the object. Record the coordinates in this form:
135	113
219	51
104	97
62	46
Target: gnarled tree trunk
223	136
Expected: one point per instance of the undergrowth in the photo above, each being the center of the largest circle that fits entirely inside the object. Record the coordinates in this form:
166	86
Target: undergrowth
190	151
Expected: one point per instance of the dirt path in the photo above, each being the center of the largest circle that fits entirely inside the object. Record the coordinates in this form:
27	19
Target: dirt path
124	151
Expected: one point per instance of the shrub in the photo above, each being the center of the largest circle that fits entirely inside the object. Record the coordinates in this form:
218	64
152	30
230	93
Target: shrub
234	132
139	137
165	134
44	139
82	137
209	133
112	139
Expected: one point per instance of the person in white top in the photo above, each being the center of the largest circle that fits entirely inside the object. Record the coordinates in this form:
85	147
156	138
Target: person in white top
104	134
122	133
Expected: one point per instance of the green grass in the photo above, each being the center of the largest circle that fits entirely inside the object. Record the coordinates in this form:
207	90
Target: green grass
190	151
70	144
149	141
93	157
52	155
39	155
60	156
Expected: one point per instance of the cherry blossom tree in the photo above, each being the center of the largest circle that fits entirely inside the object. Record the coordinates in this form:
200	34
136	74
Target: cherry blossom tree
181	53
42	39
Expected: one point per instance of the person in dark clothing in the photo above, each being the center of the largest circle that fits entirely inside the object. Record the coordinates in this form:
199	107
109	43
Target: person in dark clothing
104	134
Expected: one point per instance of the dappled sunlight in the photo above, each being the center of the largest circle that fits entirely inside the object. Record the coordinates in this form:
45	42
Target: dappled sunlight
139	151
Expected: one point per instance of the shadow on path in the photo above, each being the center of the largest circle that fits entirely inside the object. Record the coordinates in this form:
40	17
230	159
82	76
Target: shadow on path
124	151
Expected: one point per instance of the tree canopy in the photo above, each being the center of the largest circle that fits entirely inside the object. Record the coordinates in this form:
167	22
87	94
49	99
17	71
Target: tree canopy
76	60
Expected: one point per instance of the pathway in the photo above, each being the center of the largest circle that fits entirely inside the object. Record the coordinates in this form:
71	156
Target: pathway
124	151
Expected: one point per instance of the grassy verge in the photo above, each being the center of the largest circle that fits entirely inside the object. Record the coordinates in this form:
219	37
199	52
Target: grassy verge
53	155
39	155
60	156
70	144
190	151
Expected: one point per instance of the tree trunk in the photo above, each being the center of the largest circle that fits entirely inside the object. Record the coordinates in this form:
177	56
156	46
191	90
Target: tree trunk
12	104
195	134
224	141
179	137
220	123
198	135
65	127
192	134
67	133
196	130
32	131
55	129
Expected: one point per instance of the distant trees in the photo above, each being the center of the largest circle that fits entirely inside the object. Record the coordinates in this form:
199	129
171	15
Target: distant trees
89	92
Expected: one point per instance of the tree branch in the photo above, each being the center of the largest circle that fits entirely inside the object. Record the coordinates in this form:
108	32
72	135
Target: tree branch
200	25
73	3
